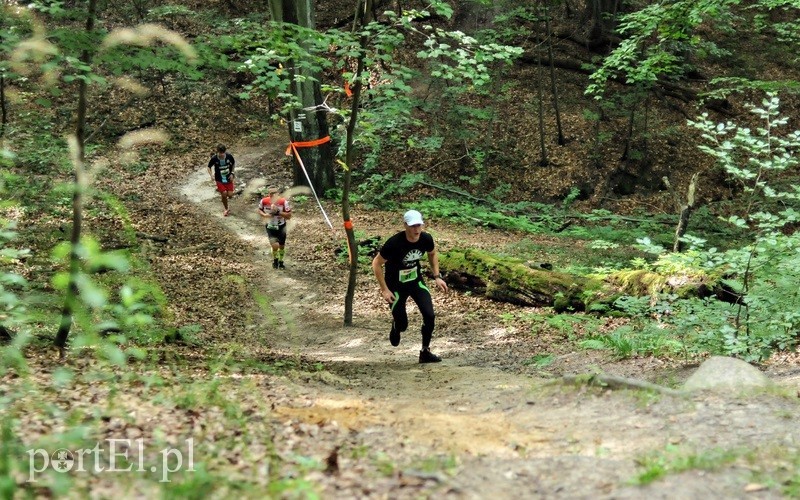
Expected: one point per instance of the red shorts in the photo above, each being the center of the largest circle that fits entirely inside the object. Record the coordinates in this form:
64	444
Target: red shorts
221	186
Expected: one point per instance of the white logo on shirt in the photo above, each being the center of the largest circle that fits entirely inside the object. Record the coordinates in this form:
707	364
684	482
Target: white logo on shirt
412	256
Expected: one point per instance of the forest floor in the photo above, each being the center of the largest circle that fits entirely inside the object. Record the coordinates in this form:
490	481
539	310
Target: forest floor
485	422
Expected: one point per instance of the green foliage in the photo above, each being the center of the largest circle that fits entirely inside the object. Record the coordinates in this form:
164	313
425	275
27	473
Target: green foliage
786	32
763	272
439	463
366	246
658	42
466	212
13	303
150	64
169	10
195	486
379	189
270	50
14	27
117	311
569	326
469	64
39	148
749	155
11	458
674	460
276	54
569	255
663	40
540	360
627	341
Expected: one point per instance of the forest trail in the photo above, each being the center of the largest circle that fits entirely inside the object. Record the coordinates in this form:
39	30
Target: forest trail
469	427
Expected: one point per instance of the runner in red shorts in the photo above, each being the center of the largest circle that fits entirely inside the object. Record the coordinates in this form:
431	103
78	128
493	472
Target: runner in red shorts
223	164
276	210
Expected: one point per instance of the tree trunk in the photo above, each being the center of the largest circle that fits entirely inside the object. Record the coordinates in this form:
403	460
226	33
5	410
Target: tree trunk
603	15
629	138
543	161
362	17
553	88
310	124
71	296
686	211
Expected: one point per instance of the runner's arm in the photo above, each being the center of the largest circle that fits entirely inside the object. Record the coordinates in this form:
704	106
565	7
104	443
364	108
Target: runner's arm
433	258
262	210
377	269
286	211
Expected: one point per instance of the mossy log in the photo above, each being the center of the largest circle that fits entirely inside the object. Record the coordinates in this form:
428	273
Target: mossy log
513	280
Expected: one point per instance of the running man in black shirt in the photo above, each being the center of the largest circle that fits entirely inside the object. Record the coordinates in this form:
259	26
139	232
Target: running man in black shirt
403	279
223	164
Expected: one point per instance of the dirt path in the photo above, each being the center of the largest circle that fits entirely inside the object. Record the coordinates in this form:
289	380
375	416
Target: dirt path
478	424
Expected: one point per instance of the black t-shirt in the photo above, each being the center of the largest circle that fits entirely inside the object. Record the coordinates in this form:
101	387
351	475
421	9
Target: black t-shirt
222	168
402	258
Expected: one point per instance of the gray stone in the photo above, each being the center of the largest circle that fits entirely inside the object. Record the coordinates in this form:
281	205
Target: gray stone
728	374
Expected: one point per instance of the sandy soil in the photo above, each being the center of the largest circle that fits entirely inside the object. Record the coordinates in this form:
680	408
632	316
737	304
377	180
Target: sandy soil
482	423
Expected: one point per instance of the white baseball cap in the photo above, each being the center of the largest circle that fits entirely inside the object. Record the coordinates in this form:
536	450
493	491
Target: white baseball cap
412	218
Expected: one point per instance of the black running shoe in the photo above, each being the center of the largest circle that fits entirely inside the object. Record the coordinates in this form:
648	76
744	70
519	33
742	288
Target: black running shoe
426	356
280	265
394	336
274	263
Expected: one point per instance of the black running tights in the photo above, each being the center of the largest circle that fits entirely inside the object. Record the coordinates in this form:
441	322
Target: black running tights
420	294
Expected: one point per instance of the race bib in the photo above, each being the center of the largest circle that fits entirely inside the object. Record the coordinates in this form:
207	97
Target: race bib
273	226
407	275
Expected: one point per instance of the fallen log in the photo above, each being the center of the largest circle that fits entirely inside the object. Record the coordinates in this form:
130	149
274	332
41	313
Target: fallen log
509	280
506	279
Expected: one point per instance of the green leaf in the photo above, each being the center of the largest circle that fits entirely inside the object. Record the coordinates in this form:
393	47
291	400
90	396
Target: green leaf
114	354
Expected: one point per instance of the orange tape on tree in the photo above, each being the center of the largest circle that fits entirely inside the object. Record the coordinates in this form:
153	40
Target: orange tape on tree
306	144
348	224
292	149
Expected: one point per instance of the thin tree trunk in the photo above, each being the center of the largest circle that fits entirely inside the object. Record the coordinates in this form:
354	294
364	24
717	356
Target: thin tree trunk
686	211
68	310
597	152
645	132
568	9
553	88
603	14
543	161
362	17
626	153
